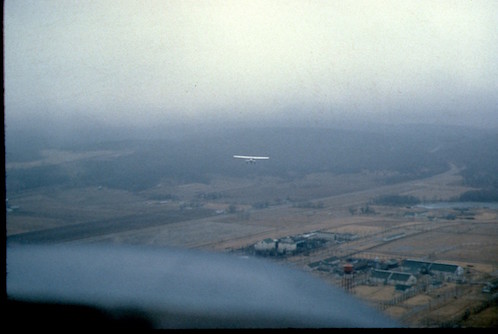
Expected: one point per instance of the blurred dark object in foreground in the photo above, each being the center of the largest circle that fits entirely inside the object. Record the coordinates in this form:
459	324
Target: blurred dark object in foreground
141	287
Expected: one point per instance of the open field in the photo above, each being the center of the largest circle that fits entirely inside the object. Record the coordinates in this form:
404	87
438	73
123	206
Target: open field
230	215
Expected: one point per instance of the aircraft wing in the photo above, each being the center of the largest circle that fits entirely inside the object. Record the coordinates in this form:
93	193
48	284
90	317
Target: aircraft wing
91	286
249	157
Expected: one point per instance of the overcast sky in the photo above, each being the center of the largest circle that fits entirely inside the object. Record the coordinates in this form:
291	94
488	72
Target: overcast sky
123	61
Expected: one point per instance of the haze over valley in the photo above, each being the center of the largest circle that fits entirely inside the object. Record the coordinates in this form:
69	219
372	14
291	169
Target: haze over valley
136	163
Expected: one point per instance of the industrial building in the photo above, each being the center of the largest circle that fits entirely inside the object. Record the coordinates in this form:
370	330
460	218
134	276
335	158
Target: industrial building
448	272
266	245
289	245
392	278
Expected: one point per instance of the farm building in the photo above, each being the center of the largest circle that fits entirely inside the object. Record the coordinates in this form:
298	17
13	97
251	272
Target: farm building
387	265
289	245
328	264
443	270
360	264
324	235
266	245
392	277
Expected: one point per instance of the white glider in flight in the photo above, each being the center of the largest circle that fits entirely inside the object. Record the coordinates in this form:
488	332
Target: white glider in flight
249	158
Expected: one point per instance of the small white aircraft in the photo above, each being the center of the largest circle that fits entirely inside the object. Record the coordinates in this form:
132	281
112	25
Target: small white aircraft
250	159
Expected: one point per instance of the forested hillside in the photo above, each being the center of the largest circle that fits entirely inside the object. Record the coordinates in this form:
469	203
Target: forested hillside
405	153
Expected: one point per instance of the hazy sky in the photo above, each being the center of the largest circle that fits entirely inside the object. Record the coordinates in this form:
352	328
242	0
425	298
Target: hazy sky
162	61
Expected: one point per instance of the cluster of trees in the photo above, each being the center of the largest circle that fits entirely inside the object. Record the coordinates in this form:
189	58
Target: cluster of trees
261	205
210	196
162	197
364	210
308	205
396	200
485	195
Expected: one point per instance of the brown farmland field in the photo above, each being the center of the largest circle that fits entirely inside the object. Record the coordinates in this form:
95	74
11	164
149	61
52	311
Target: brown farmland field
226	215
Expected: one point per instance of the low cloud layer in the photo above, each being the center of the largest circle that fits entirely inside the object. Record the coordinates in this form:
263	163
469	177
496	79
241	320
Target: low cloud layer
135	62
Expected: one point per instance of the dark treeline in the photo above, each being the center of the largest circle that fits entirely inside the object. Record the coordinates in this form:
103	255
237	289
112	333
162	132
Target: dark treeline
396	200
486	195
409	153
